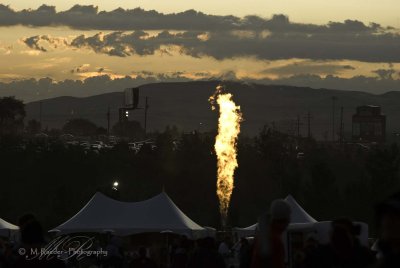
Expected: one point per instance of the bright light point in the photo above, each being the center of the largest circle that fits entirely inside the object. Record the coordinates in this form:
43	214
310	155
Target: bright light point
115	184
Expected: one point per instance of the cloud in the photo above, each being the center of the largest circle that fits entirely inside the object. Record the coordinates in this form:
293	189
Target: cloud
385	73
349	41
85	70
30	52
36	89
362	83
81	68
204	35
89	17
33	89
33	42
308	67
37	42
5	50
136	43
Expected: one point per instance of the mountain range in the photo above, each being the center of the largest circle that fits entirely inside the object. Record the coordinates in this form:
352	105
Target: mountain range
186	105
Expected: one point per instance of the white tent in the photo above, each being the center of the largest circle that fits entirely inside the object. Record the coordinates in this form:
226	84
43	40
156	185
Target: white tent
210	231
323	231
299	215
7	229
301	221
299	218
158	214
246	231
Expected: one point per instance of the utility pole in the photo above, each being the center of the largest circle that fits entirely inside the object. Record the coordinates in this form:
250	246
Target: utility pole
341	125
298	126
40	113
108	121
146	107
333	117
308	117
289	127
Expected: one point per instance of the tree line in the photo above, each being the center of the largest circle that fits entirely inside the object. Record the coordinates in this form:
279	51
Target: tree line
54	180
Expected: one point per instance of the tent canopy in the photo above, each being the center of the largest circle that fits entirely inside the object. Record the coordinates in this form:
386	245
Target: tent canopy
7	228
298	216
157	214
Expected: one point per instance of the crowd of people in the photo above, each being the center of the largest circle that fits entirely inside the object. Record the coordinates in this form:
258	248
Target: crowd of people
344	249
266	249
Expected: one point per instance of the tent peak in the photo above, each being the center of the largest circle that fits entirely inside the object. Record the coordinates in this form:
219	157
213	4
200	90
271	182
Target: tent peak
289	197
299	215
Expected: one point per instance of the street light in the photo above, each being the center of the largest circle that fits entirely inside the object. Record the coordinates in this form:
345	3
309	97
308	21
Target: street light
115	186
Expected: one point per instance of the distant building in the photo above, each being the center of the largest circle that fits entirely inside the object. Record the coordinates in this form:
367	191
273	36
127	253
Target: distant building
369	124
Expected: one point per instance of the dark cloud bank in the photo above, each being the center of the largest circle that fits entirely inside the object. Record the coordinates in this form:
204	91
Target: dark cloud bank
89	17
219	37
32	89
368	47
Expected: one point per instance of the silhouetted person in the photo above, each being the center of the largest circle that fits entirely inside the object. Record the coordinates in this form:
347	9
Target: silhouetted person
388	220
224	249
269	250
244	253
32	239
114	256
206	255
143	261
5	254
179	258
344	249
25	219
311	245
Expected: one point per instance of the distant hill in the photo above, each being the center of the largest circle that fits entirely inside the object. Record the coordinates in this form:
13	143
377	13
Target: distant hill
186	106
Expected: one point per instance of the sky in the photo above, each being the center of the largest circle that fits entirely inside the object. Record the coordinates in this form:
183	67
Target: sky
349	45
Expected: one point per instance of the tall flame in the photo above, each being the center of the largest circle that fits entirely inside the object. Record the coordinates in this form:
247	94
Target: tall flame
225	147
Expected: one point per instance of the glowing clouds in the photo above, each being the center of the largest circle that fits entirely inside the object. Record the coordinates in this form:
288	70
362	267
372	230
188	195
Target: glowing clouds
225	147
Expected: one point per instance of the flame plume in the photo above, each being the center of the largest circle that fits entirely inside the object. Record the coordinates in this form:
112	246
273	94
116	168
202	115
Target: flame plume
225	147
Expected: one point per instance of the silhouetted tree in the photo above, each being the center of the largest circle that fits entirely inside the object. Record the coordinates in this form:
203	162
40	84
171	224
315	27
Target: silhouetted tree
321	191
12	114
33	127
54	132
101	131
131	129
329	181
165	151
383	166
278	151
80	127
